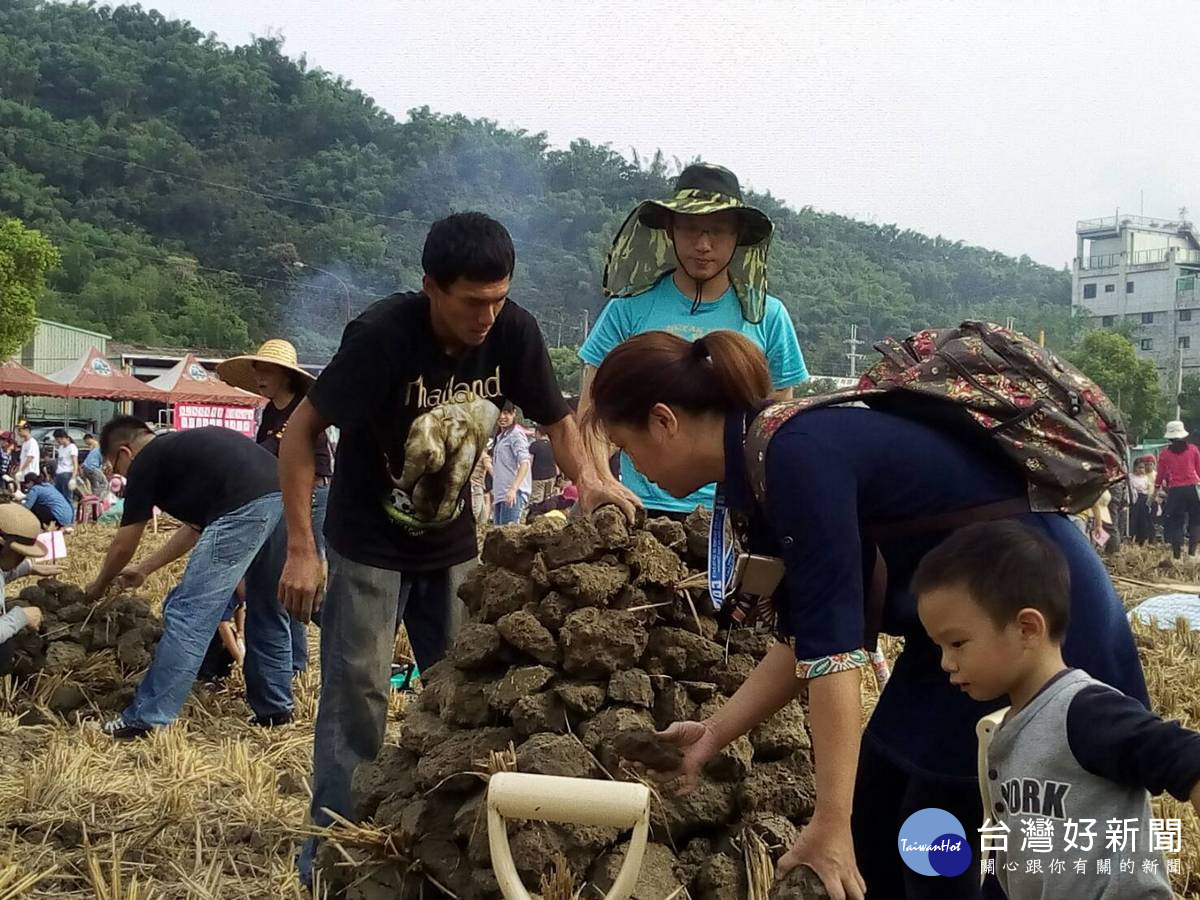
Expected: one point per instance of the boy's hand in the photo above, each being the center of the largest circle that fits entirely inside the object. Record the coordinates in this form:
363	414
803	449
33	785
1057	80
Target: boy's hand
45	570
33	617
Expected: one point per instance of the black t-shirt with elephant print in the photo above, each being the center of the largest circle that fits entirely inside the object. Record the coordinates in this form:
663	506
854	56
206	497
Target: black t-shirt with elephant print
414	421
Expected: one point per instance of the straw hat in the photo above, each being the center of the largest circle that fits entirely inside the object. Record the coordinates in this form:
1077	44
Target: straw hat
19	530
239	371
1175	431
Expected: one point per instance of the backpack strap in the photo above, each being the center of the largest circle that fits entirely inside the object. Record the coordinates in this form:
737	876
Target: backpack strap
766	423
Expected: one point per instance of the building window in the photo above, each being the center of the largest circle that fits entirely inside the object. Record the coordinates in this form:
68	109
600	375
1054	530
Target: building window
1185	343
1089	291
1147	344
1129	287
1147	318
1108	321
1109	288
1185	315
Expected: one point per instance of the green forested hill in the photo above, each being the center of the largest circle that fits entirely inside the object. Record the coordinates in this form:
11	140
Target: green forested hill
182	180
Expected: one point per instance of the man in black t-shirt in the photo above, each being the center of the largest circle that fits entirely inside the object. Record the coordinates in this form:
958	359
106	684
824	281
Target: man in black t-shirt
224	488
544	469
416	388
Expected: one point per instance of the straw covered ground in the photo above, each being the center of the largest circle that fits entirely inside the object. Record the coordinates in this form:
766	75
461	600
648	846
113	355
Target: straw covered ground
214	808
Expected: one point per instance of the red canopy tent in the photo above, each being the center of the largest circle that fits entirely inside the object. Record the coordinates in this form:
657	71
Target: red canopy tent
190	382
18	381
93	377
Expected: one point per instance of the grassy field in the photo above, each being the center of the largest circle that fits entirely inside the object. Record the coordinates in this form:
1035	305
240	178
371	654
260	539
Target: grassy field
215	808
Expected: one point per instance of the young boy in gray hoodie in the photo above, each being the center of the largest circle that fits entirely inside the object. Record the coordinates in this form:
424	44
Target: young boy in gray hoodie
1071	767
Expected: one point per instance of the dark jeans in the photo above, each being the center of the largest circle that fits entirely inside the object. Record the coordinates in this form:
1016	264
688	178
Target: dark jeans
1141	521
1182	513
884	796
45	516
363	606
249	543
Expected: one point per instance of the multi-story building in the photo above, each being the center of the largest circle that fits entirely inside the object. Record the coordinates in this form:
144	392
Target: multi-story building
1143	271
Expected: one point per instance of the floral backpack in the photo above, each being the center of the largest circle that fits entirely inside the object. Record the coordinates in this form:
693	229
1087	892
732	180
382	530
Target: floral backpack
1041	412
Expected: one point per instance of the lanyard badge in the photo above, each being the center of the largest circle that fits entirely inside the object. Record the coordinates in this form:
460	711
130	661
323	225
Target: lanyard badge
721	552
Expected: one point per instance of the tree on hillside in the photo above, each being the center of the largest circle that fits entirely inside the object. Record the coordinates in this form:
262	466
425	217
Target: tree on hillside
568	368
1108	358
25	258
1189	403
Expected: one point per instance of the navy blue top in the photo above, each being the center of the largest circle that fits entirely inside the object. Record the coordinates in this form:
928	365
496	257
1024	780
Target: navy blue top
830	471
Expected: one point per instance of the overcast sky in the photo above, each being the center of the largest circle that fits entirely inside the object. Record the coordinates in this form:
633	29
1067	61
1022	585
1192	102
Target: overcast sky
996	123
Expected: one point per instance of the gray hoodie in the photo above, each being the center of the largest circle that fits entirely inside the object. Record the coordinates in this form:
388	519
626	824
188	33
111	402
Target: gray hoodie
1081	757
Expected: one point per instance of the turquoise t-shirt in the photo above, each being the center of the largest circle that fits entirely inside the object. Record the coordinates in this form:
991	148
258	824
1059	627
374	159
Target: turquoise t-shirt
665	308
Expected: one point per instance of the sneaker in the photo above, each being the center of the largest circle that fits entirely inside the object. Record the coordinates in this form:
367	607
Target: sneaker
120	730
274	720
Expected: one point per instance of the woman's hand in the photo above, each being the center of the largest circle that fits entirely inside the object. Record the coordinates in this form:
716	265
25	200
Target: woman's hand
698	743
826	846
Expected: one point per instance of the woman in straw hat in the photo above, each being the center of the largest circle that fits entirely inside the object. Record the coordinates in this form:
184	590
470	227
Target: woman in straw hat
1179	474
19	555
274	372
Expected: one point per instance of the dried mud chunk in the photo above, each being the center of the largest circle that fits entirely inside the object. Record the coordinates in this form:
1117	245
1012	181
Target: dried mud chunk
596	642
578	541
518	683
523	631
649	749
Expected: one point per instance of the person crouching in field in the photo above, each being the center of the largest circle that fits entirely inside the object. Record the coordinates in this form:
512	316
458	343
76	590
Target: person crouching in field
996	600
232	513
19	555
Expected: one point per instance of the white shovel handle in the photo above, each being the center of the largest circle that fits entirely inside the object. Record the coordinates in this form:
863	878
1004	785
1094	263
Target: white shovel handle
577	801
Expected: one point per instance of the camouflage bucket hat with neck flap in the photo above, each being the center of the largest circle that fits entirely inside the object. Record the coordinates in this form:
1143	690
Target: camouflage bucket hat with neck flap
642	253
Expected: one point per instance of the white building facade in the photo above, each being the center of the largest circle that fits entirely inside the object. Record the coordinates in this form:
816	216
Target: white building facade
1146	272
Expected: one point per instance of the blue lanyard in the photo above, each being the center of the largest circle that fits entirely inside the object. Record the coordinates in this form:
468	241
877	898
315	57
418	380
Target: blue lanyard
721	555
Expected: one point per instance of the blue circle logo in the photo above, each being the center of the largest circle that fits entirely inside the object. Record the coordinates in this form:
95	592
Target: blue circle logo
933	842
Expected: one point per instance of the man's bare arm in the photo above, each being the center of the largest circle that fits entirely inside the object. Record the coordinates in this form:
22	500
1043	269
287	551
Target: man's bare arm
300	583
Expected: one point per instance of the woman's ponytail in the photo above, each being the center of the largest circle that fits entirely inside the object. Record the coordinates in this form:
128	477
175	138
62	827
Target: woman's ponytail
722	372
739	368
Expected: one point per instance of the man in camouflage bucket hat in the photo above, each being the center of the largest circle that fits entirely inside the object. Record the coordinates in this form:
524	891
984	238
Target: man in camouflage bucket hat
691	264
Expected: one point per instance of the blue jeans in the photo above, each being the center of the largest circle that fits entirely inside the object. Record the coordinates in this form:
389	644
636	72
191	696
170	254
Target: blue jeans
299	630
511	515
62	482
249	543
362	610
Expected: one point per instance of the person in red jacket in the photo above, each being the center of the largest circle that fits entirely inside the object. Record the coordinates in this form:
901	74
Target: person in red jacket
1179	473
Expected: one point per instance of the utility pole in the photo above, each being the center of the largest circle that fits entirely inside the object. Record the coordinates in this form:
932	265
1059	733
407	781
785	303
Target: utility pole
1011	323
586	323
1178	383
854	356
300	264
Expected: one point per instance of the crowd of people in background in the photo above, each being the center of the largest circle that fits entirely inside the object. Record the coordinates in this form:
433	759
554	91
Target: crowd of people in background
1160	502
